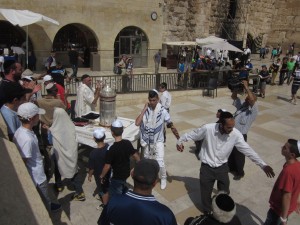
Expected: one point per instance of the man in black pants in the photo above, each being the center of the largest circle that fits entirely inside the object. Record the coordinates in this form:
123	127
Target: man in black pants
244	116
218	142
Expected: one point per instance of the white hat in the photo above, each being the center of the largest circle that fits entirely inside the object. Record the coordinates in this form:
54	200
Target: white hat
27	78
47	78
117	123
99	133
49	86
28	110
28	72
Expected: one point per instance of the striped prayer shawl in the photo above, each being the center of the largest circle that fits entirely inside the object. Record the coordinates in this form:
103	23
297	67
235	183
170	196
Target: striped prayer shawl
152	125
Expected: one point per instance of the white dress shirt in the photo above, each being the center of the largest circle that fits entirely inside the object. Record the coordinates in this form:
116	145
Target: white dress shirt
84	99
165	99
216	147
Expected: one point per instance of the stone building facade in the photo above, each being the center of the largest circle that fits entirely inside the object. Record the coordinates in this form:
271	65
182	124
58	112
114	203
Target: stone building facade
106	24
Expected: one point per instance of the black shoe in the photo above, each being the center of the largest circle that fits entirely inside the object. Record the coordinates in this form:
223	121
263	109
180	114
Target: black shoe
238	177
79	197
54	207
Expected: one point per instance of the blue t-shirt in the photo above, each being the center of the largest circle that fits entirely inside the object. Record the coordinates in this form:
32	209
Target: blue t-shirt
97	160
11	119
135	209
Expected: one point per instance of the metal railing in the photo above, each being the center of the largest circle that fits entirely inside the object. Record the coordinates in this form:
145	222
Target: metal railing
146	82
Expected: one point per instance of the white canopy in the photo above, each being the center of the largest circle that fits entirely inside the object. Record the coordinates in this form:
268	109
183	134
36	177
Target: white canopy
209	40
25	18
180	43
223	46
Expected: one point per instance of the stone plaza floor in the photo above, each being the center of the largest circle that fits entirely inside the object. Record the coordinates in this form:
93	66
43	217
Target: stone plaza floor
277	121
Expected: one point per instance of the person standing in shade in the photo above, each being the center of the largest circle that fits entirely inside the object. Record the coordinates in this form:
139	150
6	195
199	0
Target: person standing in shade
157	59
74	57
27	144
285	196
218	142
139	206
244	116
151	122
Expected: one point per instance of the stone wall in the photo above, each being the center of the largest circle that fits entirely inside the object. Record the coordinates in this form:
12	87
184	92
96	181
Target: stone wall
272	21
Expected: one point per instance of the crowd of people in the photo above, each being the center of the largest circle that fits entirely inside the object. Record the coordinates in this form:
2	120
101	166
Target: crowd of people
40	126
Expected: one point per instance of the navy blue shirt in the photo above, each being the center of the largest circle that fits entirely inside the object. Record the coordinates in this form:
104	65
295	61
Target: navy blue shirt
135	209
97	160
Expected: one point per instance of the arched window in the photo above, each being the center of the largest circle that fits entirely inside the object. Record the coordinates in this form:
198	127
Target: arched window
78	36
134	42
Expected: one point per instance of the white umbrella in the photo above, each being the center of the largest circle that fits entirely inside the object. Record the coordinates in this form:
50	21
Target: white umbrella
209	40
223	46
25	18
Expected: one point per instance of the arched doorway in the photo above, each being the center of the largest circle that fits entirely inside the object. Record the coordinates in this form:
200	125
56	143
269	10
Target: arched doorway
11	35
78	36
134	42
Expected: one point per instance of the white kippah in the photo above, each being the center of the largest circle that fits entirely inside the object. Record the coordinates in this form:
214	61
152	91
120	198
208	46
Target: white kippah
155	91
117	123
99	133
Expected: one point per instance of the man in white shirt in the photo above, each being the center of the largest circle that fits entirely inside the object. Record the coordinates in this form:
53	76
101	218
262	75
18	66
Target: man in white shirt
151	122
165	100
218	142
87	96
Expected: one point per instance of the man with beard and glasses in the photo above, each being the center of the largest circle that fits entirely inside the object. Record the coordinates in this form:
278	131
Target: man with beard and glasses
87	96
218	142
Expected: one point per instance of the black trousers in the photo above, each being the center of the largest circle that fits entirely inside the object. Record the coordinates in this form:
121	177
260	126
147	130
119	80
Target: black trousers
236	161
208	176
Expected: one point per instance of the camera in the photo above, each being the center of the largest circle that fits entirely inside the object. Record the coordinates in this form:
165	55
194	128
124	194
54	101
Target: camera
235	84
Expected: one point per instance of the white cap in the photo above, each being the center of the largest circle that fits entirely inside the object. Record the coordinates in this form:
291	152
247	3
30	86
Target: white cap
27	72
47	78
27	78
49	86
28	110
117	123
99	133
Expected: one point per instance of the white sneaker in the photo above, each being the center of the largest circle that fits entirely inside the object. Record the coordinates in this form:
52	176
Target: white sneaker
163	184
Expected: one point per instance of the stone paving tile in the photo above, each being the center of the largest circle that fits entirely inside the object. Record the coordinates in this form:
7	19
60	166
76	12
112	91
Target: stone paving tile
277	121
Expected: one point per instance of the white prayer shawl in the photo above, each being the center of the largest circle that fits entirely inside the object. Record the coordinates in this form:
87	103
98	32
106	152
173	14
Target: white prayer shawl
64	143
153	125
84	99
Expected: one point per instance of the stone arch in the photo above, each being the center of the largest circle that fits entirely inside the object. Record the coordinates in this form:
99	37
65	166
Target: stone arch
79	36
132	41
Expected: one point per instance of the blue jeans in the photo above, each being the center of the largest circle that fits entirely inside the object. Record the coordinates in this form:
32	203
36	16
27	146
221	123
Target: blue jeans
117	187
77	184
272	218
75	69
